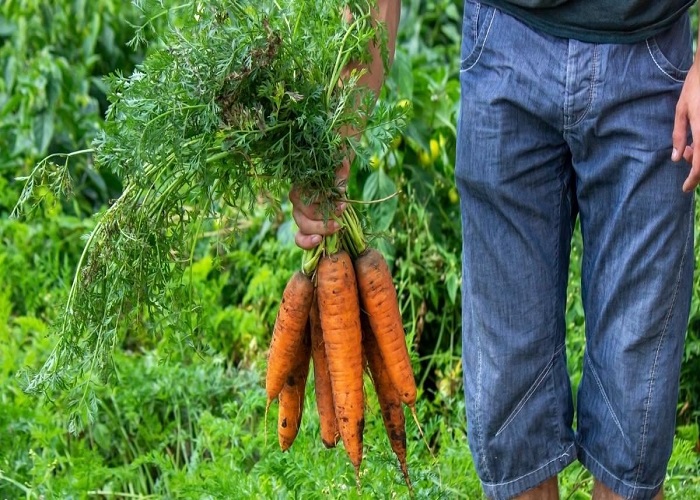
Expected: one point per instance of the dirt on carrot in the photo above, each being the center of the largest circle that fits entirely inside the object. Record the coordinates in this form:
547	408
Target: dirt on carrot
379	301
389	399
339	310
291	397
322	381
290	325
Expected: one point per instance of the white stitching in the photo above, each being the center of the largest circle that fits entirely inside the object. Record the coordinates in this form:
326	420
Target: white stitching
605	396
475	24
634	487
664	331
481	47
591	89
651	53
565	454
540	378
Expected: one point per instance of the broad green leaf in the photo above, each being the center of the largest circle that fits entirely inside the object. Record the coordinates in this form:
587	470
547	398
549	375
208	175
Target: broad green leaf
10	73
452	286
379	186
43	131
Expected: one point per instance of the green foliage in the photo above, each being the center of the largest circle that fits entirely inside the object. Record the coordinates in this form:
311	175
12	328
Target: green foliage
53	56
419	230
184	422
689	404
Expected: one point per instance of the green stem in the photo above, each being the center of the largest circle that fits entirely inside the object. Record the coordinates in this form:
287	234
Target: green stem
29	179
342	58
28	492
218	156
353	231
311	258
332	244
88	245
147	126
346	244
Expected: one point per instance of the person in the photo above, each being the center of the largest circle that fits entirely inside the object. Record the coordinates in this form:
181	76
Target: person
570	109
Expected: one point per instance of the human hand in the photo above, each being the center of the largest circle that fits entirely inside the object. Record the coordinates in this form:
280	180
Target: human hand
688	114
308	217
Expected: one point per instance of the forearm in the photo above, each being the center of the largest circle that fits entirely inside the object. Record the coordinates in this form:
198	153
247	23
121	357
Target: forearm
387	14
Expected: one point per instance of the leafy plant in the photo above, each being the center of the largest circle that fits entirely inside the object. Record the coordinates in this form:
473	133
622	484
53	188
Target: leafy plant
239	101
53	56
420	232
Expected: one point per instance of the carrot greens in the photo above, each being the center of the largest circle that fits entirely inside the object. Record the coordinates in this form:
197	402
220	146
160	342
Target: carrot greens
237	101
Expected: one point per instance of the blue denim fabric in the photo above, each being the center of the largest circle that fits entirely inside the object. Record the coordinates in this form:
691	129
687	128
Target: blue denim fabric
550	130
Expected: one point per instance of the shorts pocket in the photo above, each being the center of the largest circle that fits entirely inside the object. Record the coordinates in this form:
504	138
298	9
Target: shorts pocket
477	23
672	50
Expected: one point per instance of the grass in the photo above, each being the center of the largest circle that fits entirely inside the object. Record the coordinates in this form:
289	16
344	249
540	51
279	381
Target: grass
189	422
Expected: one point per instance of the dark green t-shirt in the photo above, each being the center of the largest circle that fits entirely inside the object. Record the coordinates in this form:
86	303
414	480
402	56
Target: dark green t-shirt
602	21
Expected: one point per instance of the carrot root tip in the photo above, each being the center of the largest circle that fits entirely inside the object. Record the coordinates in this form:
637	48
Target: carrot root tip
420	431
267	406
357	480
404	470
415	419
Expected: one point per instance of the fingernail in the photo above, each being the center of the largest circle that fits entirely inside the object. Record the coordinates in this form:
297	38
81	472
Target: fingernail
342	206
674	154
315	239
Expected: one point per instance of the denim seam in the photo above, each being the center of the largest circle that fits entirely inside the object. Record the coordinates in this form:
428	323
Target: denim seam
557	273
605	396
538	381
567	78
483	42
634	487
565	454
479	431
591	88
653	58
475	23
664	331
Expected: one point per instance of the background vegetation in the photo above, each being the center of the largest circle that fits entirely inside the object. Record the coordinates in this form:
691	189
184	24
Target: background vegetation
185	419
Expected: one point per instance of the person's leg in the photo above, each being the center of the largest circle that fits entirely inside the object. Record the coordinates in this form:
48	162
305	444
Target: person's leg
549	490
602	492
637	266
514	179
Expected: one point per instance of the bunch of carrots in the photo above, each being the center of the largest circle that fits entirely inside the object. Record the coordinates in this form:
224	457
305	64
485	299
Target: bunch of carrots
342	312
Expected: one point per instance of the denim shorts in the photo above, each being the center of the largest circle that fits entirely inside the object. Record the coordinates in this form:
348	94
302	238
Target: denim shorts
552	129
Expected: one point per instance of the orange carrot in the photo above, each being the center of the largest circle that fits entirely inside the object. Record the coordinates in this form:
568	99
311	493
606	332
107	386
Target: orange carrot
288	332
339	310
388	397
379	301
291	397
322	381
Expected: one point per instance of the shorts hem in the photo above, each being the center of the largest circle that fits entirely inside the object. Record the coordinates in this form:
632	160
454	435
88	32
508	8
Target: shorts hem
509	489
617	485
